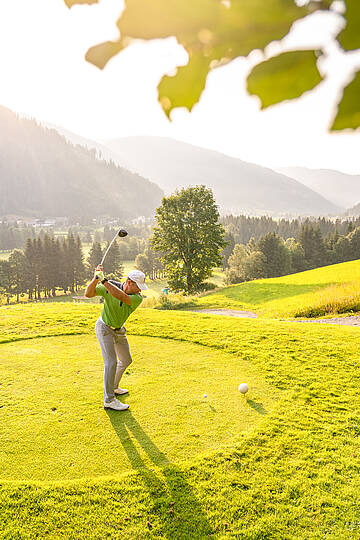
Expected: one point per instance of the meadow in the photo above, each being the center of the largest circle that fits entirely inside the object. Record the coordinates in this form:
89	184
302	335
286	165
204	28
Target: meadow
280	462
323	291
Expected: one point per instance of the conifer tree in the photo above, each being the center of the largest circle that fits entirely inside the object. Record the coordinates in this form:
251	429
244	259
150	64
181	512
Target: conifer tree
31	267
313	244
94	258
277	256
5	280
17	262
112	263
79	267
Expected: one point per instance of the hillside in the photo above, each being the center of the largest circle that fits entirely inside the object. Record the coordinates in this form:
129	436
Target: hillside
340	188
43	175
239	187
330	289
354	211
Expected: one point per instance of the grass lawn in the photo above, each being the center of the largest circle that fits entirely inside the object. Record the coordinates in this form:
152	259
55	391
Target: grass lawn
282	462
65	418
291	295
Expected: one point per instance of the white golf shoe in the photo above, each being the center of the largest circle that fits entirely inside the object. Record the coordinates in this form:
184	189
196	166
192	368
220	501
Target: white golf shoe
121	391
116	405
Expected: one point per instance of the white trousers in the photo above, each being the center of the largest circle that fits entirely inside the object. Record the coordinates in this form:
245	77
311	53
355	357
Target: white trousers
116	356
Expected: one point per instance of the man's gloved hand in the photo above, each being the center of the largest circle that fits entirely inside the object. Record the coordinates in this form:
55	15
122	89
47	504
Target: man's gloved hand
99	274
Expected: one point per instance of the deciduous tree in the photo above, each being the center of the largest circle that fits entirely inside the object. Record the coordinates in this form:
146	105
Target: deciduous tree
189	237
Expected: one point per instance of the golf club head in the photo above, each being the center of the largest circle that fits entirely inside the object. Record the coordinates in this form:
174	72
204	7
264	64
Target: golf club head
122	233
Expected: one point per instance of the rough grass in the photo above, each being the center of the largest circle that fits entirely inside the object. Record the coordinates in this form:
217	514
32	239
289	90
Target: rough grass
335	299
295	474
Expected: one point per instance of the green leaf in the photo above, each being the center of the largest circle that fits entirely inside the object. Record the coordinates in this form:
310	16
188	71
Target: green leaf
193	75
286	76
210	32
349	38
99	55
213	32
204	25
348	115
71	3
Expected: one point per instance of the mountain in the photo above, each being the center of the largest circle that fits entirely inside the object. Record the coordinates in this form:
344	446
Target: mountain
43	175
340	188
238	187
102	152
354	211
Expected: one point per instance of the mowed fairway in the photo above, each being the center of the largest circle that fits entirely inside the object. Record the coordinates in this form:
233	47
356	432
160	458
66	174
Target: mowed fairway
53	418
281	463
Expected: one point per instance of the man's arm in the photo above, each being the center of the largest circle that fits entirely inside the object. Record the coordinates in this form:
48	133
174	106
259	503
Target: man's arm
110	287
90	291
117	293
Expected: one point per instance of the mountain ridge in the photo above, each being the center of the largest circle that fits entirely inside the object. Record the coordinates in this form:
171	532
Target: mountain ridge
239	187
43	175
327	181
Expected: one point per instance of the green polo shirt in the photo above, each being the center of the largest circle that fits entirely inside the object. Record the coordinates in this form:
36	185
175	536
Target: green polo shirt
115	312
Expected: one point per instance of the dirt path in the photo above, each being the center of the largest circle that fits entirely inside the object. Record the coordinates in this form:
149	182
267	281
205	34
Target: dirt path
231	312
351	320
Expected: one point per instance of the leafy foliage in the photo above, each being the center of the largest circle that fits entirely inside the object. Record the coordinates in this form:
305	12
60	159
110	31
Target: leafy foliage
215	32
286	76
272	257
349	38
348	116
189	237
149	262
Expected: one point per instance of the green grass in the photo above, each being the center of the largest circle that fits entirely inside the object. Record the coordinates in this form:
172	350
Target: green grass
292	295
63	406
282	463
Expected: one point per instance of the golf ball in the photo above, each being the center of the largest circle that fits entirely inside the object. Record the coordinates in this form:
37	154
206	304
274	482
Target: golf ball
243	388
205	395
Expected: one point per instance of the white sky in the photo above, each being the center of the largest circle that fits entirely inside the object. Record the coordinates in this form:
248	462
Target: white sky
44	75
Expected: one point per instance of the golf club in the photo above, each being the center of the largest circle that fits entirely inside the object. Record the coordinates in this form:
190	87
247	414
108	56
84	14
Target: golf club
120	233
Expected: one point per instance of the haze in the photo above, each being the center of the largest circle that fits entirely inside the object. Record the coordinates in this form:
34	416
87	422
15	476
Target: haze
44	75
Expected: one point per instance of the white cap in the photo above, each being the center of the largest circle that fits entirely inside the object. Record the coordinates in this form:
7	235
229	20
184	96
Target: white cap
139	278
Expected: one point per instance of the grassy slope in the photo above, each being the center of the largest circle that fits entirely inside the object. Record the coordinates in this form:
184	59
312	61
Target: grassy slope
284	296
294	475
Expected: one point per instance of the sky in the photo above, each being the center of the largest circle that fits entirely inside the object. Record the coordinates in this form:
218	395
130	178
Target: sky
44	75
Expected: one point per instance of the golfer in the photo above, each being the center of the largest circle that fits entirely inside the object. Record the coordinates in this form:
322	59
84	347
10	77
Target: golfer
120	300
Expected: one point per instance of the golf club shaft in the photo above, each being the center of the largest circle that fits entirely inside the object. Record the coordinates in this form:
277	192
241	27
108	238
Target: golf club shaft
109	246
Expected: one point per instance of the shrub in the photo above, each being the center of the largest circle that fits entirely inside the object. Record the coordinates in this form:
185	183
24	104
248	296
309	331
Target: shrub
171	301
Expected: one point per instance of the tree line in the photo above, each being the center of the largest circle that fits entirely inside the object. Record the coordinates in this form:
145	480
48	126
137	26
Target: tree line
14	235
48	265
185	246
242	228
272	256
187	242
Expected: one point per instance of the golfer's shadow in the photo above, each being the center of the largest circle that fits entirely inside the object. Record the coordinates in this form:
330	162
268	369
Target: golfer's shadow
174	502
